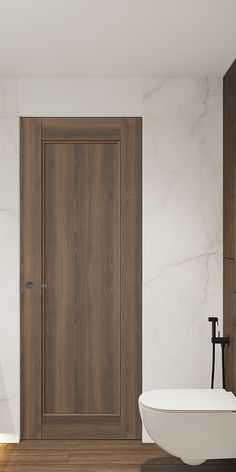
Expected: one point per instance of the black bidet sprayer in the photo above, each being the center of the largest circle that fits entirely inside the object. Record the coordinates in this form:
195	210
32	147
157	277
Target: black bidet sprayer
223	341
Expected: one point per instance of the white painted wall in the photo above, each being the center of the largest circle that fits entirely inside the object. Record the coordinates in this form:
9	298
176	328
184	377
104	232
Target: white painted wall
9	262
89	96
182	217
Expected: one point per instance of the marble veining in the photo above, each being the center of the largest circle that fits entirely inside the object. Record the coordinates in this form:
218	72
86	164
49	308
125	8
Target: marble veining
182	229
9	260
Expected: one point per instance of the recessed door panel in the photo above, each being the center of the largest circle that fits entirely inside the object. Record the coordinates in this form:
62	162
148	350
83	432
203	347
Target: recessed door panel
82	270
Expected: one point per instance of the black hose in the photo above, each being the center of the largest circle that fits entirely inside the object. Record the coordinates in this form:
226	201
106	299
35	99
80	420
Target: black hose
213	366
223	363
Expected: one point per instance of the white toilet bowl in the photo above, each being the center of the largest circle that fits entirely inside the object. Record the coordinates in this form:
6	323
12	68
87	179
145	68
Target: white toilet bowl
193	424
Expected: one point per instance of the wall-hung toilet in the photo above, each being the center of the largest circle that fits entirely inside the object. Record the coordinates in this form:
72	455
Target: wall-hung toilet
193	424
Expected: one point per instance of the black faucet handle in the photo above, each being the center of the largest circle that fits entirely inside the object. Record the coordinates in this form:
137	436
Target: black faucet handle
213	319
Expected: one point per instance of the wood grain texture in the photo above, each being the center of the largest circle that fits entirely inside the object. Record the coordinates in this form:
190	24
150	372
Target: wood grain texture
30	270
229	163
131	274
229	324
91	260
229	216
81	426
82	269
86	445
97	456
81	129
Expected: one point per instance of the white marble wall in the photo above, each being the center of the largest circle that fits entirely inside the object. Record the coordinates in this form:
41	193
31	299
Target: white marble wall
9	261
182	229
182	223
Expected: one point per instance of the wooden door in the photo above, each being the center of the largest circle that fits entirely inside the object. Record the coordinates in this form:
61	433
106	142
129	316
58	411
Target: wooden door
230	322
229	116
81	237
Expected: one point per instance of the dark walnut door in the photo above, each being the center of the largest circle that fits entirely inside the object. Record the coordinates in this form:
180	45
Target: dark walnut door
81	240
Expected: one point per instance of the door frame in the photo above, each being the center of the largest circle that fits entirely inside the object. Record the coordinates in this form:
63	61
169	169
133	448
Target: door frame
33	133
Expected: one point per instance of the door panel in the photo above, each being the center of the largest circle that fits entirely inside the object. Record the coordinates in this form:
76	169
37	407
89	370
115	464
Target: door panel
81	336
230	321
31	300
82	270
229	121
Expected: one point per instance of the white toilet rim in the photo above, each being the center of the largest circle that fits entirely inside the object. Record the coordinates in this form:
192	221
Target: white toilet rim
189	400
161	410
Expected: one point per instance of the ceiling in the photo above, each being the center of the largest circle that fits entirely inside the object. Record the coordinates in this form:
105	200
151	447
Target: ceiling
117	37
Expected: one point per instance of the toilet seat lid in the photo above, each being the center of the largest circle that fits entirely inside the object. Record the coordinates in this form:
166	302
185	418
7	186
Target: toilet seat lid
189	400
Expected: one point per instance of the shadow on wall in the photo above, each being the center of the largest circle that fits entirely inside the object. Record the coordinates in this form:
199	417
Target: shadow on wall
7	425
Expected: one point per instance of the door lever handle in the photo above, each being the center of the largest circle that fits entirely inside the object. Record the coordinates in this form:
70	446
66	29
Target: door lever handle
30	284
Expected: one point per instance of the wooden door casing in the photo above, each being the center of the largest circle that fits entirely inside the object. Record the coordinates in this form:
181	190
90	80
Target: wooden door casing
230	322
229	162
81	337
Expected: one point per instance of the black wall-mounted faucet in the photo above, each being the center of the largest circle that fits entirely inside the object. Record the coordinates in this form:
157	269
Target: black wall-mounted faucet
223	341
214	322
